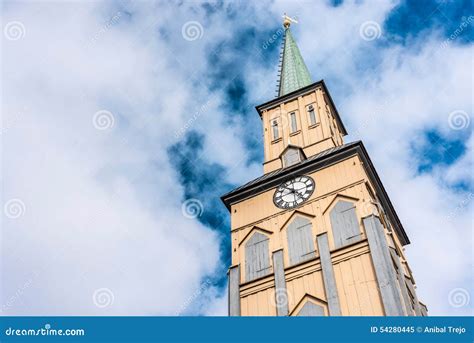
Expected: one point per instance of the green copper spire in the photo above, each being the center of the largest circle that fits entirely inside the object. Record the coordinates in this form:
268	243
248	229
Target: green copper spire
294	73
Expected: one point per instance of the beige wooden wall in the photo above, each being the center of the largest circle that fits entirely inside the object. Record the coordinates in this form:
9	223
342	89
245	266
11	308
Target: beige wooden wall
323	135
354	272
355	280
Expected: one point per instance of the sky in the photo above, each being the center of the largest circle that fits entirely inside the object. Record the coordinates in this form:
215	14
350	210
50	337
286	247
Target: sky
123	122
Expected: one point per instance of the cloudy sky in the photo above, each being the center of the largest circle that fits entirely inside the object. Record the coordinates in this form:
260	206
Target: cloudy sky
123	122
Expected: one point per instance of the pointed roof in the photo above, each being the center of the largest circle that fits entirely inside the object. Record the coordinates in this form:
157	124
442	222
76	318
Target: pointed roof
293	74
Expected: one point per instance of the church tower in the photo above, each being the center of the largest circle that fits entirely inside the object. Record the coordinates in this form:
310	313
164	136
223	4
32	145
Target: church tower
316	234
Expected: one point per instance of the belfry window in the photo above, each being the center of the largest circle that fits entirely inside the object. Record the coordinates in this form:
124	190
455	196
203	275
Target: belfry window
312	115
294	126
275	130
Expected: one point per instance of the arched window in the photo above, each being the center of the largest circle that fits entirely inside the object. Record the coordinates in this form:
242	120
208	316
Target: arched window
294	126
300	240
345	226
257	260
312	115
275	134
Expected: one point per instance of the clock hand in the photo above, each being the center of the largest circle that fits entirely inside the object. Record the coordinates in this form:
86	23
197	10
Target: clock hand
298	195
291	190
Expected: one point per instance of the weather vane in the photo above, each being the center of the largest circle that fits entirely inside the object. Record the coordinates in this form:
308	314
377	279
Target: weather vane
288	20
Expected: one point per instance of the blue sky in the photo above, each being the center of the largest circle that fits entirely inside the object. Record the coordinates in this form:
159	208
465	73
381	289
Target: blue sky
124	122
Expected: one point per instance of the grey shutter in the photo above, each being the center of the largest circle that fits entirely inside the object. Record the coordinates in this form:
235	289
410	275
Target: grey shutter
257	260
281	294
291	156
311	310
345	226
328	275
383	265
300	240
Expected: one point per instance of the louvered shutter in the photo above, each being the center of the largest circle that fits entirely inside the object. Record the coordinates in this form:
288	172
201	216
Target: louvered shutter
345	226
257	261
300	240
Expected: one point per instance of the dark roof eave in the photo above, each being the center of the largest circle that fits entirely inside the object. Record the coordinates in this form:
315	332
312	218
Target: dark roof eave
285	97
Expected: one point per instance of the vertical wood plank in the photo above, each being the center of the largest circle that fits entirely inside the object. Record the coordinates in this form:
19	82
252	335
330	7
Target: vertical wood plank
350	289
328	275
401	282
374	294
234	291
417	306
344	303
281	293
361	287
384	270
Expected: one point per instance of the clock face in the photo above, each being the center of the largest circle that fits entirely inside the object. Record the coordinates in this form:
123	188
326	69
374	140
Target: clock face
294	192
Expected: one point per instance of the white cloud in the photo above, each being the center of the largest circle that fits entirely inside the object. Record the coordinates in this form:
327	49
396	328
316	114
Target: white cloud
103	207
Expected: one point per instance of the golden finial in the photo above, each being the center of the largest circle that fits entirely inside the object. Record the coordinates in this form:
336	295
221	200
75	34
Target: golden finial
288	20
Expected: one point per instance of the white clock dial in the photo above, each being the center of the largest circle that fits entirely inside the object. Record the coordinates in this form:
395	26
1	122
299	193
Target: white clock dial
294	192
